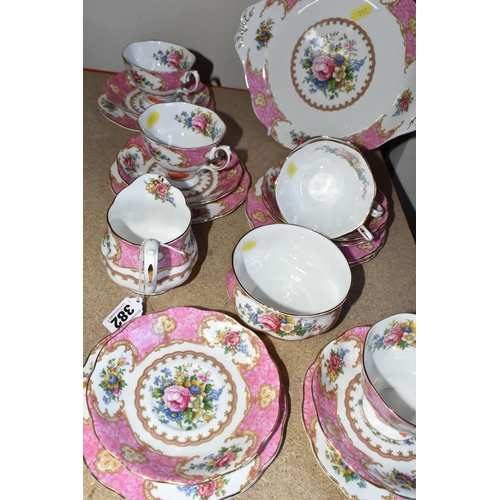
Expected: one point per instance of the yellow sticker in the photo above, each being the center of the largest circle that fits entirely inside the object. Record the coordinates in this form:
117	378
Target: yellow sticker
360	12
248	245
152	119
291	169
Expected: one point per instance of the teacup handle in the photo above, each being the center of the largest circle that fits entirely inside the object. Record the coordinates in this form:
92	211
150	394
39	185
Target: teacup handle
377	209
365	233
215	157
185	80
149	265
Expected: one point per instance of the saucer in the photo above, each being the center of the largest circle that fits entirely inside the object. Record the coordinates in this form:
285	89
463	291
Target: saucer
124	94
328	458
164	396
203	212
336	380
258	215
115	114
112	474
134	160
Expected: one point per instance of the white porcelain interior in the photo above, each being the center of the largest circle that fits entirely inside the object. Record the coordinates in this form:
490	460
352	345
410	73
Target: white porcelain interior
292	269
389	364
326	184
142	54
137	214
174	124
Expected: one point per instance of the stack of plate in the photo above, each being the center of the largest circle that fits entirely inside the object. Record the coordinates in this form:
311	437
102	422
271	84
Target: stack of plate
121	102
262	209
363	462
181	402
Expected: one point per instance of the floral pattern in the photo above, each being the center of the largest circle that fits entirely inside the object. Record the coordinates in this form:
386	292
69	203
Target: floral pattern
206	490
220	460
342	469
200	122
185	396
281	324
160	189
264	34
401	335
232	341
112	382
335	363
403	102
298	137
156	153
173	58
402	480
353	162
141	80
331	63
129	162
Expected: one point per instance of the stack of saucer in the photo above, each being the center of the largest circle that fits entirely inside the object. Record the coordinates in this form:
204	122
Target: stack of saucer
163	415
262	209
156	71
368	462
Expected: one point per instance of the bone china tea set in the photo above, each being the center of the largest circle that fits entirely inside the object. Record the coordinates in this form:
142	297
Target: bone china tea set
189	403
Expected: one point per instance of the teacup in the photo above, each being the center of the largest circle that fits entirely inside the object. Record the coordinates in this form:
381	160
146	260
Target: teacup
161	68
149	246
389	375
326	184
184	138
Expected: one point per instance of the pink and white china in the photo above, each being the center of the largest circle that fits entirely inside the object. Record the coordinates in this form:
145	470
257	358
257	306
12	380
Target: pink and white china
134	159
114	113
288	281
326	184
225	205
202	212
359	253
148	245
167	396
344	70
111	472
389	374
123	93
161	68
338	398
184	138
329	459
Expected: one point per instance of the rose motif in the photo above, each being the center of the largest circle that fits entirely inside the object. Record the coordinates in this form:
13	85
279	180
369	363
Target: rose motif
173	59
404	103
206	490
393	336
270	322
226	459
199	123
162	189
323	68
129	164
177	397
335	362
232	339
